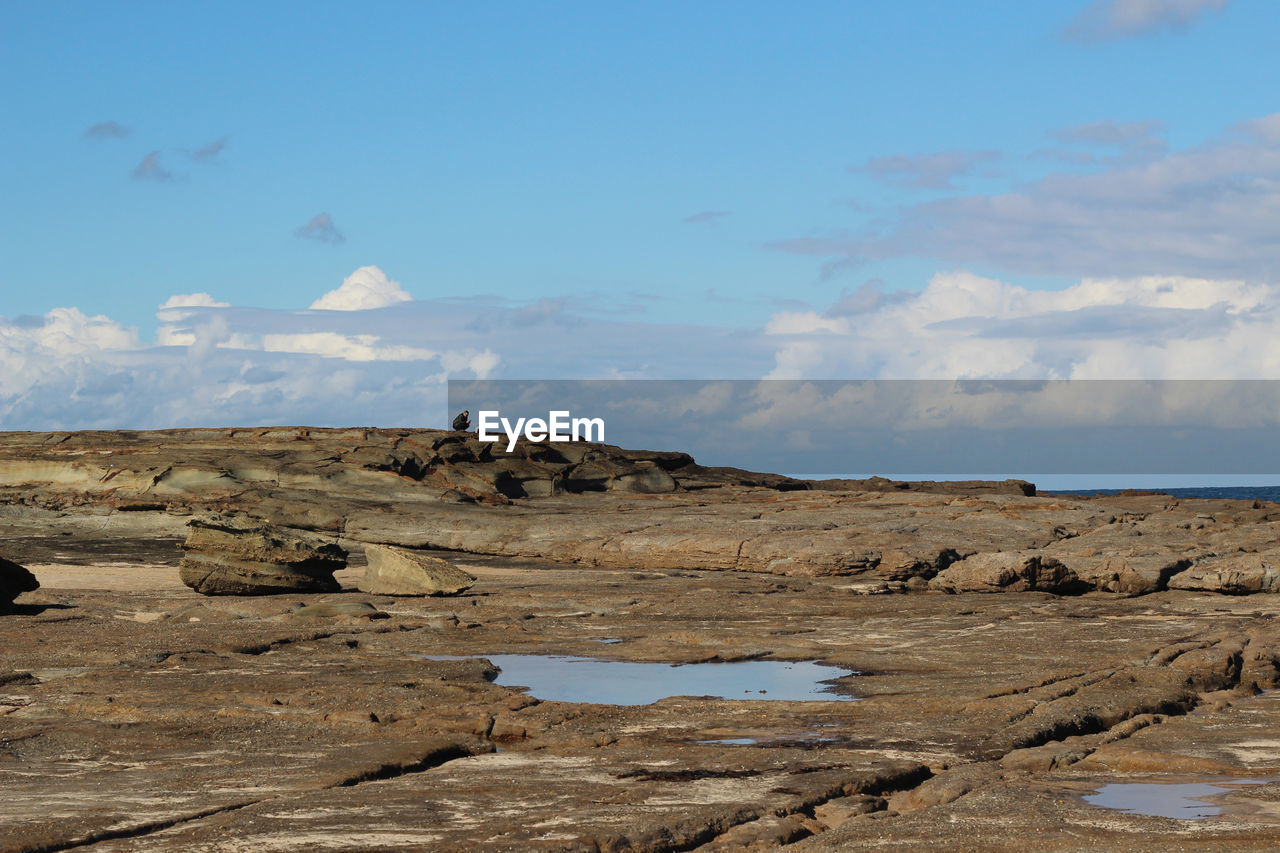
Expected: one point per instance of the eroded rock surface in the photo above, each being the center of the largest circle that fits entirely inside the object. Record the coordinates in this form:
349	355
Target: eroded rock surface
1007	571
137	714
161	719
607	506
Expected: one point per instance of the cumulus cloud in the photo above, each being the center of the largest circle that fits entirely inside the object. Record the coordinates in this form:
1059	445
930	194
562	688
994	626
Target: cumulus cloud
321	229
706	216
107	130
1208	211
934	171
1104	20
368	287
151	169
63	344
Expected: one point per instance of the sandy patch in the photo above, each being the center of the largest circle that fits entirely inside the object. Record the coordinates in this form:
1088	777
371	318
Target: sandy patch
117	577
135	577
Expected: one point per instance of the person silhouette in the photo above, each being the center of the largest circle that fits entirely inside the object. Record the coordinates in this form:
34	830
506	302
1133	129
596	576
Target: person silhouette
463	421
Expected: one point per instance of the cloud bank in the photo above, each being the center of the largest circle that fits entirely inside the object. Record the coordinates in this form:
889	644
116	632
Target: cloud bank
966	326
387	363
1209	211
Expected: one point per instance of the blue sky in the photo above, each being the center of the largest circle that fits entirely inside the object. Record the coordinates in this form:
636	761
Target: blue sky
841	190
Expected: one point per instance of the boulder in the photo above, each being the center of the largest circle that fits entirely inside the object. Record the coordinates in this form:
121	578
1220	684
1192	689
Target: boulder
238	556
14	580
1238	574
1124	572
1007	571
397	571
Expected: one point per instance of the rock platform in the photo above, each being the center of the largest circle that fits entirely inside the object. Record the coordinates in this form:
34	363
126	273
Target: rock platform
1125	639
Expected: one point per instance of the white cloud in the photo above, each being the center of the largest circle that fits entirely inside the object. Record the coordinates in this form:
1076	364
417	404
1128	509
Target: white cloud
195	300
966	326
348	347
217	365
63	343
367	287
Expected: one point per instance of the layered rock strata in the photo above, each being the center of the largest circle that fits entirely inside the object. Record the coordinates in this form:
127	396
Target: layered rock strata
232	556
608	506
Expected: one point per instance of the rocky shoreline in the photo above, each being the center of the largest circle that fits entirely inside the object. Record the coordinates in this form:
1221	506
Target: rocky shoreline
1132	638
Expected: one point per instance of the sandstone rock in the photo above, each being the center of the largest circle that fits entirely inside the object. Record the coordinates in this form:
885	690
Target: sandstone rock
397	571
236	556
14	580
1238	574
1005	571
1124	573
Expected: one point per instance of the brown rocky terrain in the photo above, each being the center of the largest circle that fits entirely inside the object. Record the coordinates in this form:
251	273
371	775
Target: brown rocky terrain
1132	639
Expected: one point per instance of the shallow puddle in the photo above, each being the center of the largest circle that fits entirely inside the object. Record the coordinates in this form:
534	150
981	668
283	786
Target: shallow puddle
608	682
1183	800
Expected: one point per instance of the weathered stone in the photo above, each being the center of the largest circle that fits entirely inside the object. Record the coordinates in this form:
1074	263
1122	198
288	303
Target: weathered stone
1005	571
397	571
1238	574
14	580
237	556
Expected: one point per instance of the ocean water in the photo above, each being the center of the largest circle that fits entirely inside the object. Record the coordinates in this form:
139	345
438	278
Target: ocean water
1261	487
1239	493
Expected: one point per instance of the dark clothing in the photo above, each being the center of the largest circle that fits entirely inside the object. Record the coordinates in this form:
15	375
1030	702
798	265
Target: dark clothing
462	422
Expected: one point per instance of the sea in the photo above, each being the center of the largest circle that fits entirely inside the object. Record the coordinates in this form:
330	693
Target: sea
1249	487
1245	493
